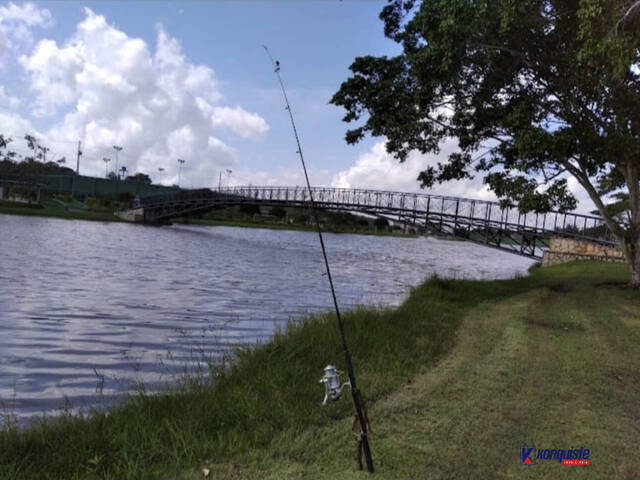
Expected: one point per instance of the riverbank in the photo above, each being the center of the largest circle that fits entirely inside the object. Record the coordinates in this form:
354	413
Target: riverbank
457	379
288	226
13	208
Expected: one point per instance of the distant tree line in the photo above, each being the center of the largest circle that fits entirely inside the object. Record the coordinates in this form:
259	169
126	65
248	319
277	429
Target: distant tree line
36	162
33	164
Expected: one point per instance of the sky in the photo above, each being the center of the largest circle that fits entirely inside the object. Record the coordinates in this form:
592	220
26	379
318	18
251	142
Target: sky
169	80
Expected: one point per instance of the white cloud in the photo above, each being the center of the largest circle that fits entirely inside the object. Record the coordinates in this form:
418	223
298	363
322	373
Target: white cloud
16	24
8	100
109	89
11	123
281	176
4	45
26	13
53	74
240	121
585	204
377	169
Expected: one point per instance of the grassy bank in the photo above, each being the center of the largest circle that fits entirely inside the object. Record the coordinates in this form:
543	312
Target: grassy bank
13	208
457	379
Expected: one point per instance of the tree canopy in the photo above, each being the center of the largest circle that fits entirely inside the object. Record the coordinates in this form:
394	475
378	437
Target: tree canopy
534	91
140	178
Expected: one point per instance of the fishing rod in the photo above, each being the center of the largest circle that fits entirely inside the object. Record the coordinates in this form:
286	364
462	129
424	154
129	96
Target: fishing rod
355	393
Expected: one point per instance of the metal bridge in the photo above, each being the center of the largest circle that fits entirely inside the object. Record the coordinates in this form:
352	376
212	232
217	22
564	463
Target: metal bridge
478	221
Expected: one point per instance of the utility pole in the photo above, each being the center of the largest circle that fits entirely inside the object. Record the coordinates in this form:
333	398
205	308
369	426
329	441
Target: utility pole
219	179
181	162
79	155
106	165
229	172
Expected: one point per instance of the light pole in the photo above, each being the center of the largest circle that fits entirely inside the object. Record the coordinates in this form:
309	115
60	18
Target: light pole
181	162
106	166
117	149
229	172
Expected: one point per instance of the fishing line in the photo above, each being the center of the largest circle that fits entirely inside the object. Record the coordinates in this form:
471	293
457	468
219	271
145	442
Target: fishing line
355	393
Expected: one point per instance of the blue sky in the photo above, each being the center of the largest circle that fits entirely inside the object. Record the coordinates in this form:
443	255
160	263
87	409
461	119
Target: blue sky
190	79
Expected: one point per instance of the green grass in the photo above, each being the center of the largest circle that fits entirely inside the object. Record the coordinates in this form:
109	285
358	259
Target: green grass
105	215
457	379
13	208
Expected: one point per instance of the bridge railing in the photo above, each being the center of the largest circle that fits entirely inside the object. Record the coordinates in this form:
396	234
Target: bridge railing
425	204
420	207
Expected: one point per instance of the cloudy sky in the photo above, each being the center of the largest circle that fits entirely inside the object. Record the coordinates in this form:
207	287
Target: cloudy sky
190	80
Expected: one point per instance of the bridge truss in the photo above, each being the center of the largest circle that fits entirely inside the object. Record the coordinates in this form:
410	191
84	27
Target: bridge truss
478	221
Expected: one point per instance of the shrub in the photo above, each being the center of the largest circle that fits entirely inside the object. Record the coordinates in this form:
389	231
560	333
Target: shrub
66	197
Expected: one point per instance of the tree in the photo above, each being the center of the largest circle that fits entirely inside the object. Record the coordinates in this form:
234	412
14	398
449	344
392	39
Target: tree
29	168
4	141
619	208
249	209
34	146
381	223
278	212
5	154
534	91
140	178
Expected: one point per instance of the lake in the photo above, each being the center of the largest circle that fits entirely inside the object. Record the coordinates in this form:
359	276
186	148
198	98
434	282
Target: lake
89	309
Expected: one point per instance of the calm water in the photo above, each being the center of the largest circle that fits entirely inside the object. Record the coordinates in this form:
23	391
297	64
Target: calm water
85	301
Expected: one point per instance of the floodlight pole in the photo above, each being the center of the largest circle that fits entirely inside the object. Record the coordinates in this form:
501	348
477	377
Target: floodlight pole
355	393
181	162
118	149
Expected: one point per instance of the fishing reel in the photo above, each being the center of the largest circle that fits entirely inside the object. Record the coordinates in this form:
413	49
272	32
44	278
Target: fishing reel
332	385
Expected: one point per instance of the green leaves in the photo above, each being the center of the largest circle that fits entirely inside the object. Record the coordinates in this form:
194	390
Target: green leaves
526	193
544	83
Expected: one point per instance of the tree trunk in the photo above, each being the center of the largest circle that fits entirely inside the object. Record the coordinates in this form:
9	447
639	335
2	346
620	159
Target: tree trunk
632	252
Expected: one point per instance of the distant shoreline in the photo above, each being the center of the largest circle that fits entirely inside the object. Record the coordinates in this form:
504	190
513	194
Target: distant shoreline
34	211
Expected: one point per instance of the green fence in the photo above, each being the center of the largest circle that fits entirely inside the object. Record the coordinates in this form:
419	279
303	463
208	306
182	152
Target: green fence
80	185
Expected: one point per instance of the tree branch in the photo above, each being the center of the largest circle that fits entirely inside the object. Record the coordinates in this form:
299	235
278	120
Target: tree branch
632	11
583	179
